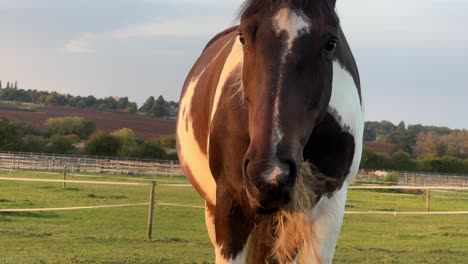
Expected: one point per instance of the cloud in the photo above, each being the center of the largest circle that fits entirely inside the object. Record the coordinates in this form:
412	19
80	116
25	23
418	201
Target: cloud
186	27
79	45
167	28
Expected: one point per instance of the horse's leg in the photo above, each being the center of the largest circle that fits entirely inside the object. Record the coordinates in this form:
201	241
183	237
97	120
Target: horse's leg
328	218
210	226
233	227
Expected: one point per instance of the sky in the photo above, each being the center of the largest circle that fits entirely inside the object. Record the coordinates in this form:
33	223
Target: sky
412	54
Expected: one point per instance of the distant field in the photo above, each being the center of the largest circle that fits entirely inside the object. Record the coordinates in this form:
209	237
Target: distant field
117	235
145	127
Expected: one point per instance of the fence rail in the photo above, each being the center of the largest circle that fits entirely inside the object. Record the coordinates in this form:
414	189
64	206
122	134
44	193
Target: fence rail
84	164
407	178
42	162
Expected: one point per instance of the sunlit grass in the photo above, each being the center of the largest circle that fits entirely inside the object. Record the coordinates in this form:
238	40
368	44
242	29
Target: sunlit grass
117	235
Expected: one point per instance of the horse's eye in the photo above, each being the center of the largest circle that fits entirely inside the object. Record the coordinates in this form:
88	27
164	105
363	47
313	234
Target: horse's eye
242	40
330	47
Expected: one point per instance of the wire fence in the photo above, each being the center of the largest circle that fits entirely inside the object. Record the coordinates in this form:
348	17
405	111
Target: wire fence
408	178
20	161
43	162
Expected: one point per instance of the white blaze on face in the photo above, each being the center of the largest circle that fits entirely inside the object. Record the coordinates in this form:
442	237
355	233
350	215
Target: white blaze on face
293	23
273	177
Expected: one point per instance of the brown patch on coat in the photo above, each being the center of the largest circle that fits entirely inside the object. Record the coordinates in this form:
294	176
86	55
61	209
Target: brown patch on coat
288	234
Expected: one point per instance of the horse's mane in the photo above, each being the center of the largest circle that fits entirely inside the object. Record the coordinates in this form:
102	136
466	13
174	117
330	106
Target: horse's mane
251	7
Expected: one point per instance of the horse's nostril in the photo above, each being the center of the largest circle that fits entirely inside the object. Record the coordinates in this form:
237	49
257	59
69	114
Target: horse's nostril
245	167
292	165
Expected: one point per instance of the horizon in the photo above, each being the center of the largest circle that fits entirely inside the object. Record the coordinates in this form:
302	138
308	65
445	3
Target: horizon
411	55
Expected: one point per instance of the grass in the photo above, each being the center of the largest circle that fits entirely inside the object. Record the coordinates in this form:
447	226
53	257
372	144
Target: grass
18	106
117	235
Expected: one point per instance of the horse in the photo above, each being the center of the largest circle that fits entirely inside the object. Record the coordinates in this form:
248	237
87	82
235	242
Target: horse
269	132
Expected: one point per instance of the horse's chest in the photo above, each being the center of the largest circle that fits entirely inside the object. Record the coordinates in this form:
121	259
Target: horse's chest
346	107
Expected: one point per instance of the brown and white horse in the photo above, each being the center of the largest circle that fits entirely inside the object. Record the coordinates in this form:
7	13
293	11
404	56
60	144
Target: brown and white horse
266	98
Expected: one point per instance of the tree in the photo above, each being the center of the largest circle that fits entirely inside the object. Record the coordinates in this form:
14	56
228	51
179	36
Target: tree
81	104
127	142
69	125
91	101
160	108
151	149
122	103
372	160
457	144
16	85
55	98
430	144
168	141
31	143
403	161
59	144
132	108
442	164
9	139
102	144
146	107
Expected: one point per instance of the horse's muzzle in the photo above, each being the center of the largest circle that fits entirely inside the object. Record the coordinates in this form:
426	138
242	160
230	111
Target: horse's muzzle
269	184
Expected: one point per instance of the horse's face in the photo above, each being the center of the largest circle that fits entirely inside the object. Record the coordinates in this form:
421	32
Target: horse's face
287	83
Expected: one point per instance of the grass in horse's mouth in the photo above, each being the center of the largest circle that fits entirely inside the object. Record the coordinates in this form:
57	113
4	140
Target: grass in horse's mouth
287	231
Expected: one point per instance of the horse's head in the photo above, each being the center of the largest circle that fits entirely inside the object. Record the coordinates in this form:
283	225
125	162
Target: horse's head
289	46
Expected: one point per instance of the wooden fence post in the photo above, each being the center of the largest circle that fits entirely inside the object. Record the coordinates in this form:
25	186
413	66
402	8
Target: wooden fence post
149	233
64	176
428	197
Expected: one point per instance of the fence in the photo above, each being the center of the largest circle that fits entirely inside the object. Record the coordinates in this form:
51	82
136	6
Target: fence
114	165
150	204
83	164
418	178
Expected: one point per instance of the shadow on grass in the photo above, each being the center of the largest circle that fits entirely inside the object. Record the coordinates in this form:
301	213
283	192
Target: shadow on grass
30	214
46	187
72	189
171	240
94	196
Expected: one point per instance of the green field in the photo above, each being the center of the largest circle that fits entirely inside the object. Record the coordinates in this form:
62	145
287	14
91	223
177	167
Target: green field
117	235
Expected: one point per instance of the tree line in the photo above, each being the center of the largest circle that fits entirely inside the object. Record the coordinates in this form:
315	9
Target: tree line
417	148
78	135
158	108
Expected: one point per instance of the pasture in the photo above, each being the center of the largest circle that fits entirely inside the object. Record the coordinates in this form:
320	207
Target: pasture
117	235
143	126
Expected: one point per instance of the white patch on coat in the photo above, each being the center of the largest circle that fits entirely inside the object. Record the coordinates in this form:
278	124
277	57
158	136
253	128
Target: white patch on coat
240	258
235	58
190	153
210	226
327	216
346	103
294	23
328	213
